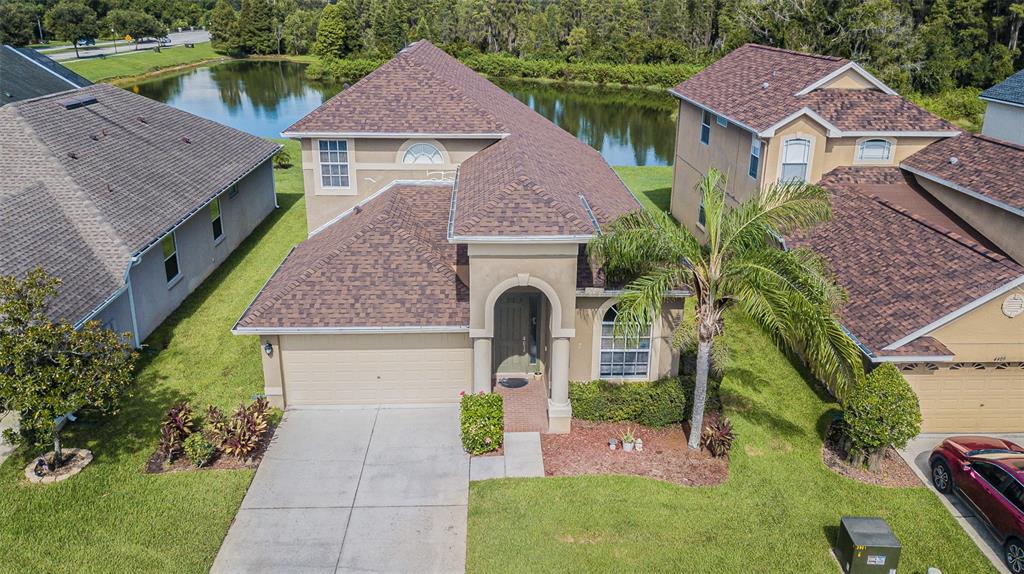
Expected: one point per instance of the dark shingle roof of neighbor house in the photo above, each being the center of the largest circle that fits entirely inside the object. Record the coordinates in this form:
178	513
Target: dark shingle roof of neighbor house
386	264
25	74
904	261
530	182
85	189
1010	90
983	165
758	86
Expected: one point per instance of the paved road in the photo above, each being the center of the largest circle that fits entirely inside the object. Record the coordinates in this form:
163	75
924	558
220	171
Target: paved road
177	38
356	490
916	455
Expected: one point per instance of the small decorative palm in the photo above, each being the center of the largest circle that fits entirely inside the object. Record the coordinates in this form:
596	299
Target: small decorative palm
790	293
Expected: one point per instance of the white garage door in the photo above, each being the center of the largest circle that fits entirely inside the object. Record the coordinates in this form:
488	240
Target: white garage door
367	369
971	400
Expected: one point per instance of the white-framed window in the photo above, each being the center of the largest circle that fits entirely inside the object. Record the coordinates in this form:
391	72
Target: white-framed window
755	156
169	247
624	357
796	153
422	153
333	163
216	221
874	150
722	121
705	126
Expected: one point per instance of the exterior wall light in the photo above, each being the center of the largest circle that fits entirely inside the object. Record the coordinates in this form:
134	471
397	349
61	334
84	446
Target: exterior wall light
268	349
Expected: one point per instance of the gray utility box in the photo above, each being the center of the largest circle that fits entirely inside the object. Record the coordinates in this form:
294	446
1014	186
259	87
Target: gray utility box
867	546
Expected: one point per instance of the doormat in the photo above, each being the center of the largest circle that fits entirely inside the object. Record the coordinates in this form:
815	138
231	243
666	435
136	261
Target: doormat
512	382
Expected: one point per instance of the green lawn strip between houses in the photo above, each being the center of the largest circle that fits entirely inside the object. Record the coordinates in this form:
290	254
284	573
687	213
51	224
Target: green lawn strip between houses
114	518
775	511
137	63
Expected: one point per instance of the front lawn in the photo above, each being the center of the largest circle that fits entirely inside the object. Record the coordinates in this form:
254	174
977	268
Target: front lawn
114	518
777	512
132	63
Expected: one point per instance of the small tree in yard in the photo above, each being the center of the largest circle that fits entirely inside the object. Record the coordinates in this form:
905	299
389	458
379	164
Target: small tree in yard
72	21
48	368
880	413
789	293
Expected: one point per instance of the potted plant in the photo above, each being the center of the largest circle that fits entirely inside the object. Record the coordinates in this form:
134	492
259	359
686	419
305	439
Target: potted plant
628	440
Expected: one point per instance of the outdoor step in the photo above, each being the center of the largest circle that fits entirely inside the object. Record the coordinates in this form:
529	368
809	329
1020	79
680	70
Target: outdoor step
523	456
485	467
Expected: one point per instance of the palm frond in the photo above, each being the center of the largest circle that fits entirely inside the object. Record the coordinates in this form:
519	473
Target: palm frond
777	209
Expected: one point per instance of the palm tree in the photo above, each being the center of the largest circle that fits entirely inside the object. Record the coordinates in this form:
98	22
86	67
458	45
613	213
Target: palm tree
789	293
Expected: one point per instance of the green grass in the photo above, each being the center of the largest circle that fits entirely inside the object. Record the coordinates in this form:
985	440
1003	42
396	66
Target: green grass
115	518
136	64
777	512
651	185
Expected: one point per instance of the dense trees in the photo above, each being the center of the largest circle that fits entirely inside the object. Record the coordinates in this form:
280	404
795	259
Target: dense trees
18	23
133	23
72	21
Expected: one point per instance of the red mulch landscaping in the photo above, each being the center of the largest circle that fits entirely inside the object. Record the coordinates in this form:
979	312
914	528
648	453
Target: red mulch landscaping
665	455
894	472
156	463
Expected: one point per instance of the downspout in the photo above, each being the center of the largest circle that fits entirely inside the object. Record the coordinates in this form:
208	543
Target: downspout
131	301
273	180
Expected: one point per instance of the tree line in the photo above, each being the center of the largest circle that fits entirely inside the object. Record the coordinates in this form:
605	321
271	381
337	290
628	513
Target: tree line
927	46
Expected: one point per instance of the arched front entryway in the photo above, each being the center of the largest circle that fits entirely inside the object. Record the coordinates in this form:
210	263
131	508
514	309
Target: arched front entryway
523	334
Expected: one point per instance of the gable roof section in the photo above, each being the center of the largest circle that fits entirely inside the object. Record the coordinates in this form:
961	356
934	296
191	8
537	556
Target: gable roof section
26	74
527	184
902	271
985	167
1009	91
95	185
761	88
386	266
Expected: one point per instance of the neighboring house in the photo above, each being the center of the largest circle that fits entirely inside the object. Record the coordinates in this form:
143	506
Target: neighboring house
1004	110
449	225
25	73
129	202
927	223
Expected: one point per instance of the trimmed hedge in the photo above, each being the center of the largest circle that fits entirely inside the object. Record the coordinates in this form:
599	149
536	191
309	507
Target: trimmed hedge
482	421
505	66
654	404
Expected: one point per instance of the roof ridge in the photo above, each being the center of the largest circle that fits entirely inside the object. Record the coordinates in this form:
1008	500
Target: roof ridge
965	241
427	251
797	52
482	110
998	141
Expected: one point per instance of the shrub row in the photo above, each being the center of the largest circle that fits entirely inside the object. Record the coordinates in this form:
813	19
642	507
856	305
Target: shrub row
504	66
482	421
238	434
655	404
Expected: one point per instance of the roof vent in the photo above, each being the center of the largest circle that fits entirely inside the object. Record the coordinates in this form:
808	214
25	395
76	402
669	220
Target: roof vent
953	160
357	209
72	155
94	137
142	120
765	85
185	140
77	102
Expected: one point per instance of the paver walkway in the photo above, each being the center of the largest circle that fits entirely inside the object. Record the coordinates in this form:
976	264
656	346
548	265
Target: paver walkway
916	455
525	409
356	490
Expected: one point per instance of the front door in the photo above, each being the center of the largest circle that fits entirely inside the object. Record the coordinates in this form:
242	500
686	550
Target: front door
515	326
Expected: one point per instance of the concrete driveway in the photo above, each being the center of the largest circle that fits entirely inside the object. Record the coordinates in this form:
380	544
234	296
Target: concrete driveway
916	455
356	490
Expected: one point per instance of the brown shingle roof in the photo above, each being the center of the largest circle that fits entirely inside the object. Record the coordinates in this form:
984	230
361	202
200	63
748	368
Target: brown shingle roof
987	166
528	183
84	189
758	85
902	271
921	347
388	264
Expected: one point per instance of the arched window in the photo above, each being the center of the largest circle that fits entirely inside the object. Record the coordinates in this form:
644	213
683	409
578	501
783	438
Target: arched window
626	357
422	153
796	152
874	150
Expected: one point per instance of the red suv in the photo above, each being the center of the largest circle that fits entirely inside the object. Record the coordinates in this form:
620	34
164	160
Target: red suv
987	473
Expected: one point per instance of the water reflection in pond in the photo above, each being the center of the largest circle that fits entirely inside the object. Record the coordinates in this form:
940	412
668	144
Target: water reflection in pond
628	127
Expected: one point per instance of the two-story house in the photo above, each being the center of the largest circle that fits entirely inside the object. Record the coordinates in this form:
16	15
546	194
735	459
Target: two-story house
926	230
448	225
1004	109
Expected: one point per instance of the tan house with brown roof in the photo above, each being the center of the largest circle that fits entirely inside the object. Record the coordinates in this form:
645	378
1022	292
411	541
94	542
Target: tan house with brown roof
927	233
448	225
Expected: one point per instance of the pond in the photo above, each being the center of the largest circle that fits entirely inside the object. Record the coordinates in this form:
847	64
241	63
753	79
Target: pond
628	127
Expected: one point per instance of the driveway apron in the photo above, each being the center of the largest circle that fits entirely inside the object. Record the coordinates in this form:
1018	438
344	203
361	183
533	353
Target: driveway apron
361	489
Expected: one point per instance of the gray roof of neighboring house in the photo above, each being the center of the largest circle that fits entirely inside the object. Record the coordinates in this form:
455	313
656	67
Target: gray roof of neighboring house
84	189
25	74
1009	90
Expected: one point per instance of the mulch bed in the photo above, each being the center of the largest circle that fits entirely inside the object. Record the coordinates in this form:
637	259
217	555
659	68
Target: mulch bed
157	464
894	473
665	455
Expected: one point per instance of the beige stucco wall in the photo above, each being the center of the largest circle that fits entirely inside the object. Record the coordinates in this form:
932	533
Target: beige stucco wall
373	163
800	127
491	265
1000	226
843	151
584	357
850	80
985	334
273	382
728	150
